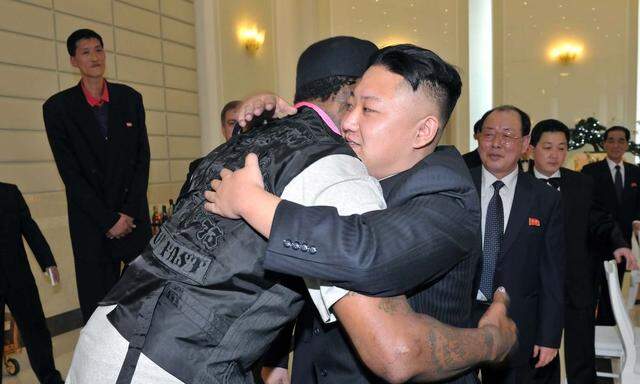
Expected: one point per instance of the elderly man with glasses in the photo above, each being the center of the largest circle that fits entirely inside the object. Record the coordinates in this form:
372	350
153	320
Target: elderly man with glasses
522	245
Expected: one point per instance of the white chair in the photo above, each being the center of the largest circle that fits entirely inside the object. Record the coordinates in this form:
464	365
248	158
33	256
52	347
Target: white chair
633	290
629	372
635	275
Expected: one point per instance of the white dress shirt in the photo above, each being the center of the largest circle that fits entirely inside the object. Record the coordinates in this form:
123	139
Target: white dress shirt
506	194
612	169
543	177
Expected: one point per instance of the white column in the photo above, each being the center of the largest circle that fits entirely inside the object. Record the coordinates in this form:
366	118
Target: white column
480	61
209	69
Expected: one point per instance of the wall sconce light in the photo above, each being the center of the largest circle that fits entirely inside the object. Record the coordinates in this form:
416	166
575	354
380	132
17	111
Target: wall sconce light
251	38
566	53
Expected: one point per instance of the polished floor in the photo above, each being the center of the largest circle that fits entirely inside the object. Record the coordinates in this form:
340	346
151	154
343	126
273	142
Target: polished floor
63	350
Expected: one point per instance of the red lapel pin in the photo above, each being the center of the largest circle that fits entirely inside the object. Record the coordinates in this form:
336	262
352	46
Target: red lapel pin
533	222
128	124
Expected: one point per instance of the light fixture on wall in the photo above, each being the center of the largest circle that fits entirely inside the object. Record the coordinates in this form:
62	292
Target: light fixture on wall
251	38
566	53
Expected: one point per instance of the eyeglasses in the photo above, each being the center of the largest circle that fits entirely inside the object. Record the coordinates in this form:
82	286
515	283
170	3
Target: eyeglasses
503	138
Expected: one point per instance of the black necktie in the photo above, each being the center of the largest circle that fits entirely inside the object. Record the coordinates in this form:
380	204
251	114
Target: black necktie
493	233
554	182
618	183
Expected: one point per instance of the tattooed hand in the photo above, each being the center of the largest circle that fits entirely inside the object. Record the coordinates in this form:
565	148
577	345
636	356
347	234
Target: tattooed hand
501	330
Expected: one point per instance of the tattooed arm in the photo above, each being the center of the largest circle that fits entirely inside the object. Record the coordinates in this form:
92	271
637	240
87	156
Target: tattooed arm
400	345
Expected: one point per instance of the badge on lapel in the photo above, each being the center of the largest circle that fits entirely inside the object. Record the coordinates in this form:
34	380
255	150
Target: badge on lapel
634	184
533	222
128	124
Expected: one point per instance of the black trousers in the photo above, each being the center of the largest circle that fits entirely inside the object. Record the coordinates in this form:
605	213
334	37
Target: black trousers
94	280
507	375
502	373
579	350
605	311
26	308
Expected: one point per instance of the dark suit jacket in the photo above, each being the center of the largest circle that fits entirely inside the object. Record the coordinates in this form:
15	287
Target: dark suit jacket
435	210
192	167
584	219
531	264
623	212
472	159
101	177
426	244
16	223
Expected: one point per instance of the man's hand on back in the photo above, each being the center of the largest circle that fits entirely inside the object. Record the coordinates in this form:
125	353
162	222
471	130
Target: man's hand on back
256	105
241	194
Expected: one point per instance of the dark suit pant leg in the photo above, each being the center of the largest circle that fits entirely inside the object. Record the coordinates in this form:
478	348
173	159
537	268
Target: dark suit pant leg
579	350
94	281
2	299
549	374
26	308
507	375
605	311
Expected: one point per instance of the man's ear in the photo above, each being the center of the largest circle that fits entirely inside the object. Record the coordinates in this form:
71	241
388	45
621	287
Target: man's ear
525	144
426	132
72	60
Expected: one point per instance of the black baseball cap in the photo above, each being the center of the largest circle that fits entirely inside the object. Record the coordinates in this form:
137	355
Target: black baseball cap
335	56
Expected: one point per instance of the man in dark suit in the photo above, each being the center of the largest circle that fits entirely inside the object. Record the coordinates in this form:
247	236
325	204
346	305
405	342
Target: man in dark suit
424	245
227	124
18	288
616	189
99	141
472	159
584	219
523	245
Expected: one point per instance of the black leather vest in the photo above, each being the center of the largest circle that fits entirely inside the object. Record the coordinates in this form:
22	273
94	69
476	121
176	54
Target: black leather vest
197	302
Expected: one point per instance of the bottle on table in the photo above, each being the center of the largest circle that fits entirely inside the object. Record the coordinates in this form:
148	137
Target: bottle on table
165	215
172	208
156	221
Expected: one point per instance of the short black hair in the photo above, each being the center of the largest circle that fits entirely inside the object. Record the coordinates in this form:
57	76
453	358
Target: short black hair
322	88
627	134
233	104
78	35
548	125
422	67
524	118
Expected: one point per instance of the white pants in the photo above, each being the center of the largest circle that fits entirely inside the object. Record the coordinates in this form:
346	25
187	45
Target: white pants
100	352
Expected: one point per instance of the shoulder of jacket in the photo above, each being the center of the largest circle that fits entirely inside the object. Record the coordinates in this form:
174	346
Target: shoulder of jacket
59	97
125	89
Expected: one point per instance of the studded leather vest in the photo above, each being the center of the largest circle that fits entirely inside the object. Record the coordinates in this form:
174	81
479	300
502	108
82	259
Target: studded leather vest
197	302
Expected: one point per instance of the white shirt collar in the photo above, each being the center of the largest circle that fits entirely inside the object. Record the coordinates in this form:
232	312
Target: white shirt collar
612	165
509	180
539	175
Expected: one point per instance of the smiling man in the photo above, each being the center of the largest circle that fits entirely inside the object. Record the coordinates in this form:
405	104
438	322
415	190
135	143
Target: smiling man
522	245
98	137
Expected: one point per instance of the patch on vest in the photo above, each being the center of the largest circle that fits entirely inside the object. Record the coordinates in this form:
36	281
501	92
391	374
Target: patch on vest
178	258
210	234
